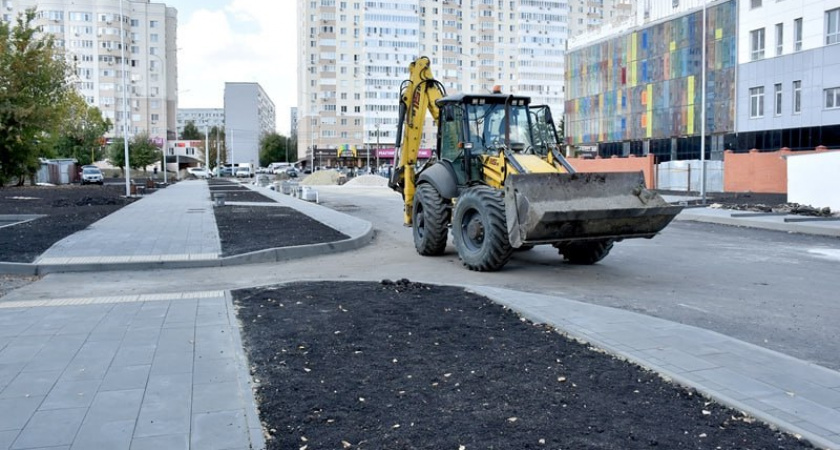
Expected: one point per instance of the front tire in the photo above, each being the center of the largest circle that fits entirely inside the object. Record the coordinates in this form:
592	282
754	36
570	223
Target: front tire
480	230
430	217
585	253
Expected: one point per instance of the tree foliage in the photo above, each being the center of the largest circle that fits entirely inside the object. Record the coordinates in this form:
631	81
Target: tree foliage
142	152
191	132
276	148
34	90
81	133
217	146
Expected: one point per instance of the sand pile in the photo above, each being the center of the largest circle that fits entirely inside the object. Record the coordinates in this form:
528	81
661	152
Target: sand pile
368	180
321	178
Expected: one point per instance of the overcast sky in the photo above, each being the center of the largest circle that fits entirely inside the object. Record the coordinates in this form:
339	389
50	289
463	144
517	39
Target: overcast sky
239	41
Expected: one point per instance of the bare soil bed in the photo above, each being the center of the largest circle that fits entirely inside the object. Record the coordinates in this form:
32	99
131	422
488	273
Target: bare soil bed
402	365
244	229
68	209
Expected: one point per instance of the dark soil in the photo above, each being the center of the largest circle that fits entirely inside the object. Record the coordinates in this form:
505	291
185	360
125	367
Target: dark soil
244	229
69	209
244	196
411	366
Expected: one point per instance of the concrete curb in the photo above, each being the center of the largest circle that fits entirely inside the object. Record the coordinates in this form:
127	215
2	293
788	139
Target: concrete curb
774	223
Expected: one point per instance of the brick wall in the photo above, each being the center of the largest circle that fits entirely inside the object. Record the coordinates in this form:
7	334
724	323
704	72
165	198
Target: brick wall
758	172
631	163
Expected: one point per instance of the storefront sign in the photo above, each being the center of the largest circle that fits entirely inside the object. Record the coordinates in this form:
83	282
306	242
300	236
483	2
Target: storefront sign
388	153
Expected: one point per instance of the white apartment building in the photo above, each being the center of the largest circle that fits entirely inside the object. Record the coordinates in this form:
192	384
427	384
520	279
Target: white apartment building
588	15
112	43
249	115
200	117
353	56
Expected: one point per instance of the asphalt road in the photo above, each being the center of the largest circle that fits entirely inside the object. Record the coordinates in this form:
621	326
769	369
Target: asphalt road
772	289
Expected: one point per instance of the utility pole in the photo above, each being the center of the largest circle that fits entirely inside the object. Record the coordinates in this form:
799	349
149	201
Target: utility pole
125	114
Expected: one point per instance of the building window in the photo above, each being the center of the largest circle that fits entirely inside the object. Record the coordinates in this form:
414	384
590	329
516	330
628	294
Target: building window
780	39
832	26
757	44
797	34
755	4
797	97
777	107
832	98
757	102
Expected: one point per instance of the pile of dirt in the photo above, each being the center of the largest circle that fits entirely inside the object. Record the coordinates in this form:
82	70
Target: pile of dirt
321	178
368	180
403	365
785	208
68	209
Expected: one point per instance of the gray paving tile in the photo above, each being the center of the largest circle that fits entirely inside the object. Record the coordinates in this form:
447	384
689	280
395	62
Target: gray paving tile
31	384
215	397
177	339
142	336
111	435
219	430
167	442
169	362
161	419
736	382
811	428
70	394
680	359
9	372
120	378
16	353
15	412
116	405
806	410
50	428
7	437
215	371
134	355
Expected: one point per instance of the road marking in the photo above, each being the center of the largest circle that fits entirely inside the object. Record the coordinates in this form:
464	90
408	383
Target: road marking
76	301
829	253
693	307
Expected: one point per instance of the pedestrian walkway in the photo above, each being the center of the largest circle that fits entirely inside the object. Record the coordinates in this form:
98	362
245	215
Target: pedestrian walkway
133	372
173	224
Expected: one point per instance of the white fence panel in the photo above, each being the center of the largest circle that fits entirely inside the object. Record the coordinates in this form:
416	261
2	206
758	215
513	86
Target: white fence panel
813	179
685	176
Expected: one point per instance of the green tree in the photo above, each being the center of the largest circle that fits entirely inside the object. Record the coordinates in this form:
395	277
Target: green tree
276	148
217	146
142	152
34	84
191	132
80	135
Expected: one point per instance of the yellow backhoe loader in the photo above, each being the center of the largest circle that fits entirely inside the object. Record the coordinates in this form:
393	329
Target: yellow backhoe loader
500	182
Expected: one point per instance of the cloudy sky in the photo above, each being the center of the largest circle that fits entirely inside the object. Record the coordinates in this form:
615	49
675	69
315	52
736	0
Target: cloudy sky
237	40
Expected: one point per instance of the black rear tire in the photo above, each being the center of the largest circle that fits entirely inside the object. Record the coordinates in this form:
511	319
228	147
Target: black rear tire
585	253
430	217
479	229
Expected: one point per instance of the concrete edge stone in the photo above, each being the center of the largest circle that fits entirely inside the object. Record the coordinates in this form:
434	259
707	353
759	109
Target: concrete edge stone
255	257
798	228
245	380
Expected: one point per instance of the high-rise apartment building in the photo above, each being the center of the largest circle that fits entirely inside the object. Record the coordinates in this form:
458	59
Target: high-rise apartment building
353	56
588	15
115	42
200	117
249	115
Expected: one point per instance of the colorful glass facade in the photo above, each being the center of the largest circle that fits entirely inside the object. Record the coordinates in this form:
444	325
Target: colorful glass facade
646	84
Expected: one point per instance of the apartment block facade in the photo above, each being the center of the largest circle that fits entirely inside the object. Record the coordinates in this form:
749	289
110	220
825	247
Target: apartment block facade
249	115
354	54
771	70
211	117
123	51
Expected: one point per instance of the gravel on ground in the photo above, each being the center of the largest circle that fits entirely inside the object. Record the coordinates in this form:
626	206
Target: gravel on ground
403	365
368	180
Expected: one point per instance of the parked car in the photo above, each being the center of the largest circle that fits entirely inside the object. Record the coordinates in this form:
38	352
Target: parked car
224	171
292	172
243	172
199	172
92	174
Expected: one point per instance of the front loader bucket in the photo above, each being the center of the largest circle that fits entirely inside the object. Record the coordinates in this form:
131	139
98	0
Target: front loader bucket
560	207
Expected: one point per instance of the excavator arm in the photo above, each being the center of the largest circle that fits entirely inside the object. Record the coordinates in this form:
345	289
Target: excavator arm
418	95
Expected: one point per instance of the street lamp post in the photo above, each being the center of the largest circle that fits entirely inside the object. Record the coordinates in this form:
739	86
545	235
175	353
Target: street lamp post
703	112
377	145
125	104
206	148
